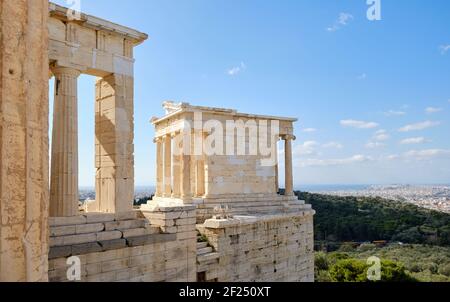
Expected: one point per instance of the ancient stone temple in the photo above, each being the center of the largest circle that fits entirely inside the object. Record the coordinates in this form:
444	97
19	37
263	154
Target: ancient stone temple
218	213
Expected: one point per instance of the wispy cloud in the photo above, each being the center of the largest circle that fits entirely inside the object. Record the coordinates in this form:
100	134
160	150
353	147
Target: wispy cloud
309	130
444	48
308	148
381	135
359	124
334	162
333	145
413	141
374	145
362	76
428	154
394	113
419	126
431	110
237	69
342	20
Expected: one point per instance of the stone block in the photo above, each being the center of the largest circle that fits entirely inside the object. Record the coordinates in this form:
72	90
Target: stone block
59	252
63	230
89	228
99	217
109	235
126	224
86	248
113	244
64	221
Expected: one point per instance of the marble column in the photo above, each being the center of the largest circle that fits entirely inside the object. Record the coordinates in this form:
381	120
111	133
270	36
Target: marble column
24	156
64	168
159	167
186	193
176	164
200	178
168	166
288	165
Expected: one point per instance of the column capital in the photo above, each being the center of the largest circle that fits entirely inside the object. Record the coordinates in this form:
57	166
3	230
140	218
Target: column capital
289	137
60	70
157	140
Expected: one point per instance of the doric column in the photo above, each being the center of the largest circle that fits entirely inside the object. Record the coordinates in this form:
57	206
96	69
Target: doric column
176	159
168	166
114	143
64	169
159	167
24	196
288	165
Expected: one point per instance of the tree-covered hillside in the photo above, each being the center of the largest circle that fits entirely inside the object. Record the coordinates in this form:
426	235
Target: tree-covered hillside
361	219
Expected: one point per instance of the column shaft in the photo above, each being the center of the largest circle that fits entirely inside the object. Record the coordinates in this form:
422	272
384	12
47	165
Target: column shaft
64	169
288	166
167	166
176	159
159	168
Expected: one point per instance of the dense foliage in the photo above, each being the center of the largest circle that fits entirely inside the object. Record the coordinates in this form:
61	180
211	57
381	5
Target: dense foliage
400	263
361	219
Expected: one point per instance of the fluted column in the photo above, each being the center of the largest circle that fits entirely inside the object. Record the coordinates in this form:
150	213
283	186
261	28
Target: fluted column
64	168
176	159
288	165
167	166
186	193
159	167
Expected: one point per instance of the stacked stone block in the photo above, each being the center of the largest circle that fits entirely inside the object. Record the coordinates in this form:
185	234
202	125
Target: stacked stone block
266	248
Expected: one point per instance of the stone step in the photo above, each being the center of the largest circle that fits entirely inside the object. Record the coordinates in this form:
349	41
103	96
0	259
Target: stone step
201	245
205	250
207	257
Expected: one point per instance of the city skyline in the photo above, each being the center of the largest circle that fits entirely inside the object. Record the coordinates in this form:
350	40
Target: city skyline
372	97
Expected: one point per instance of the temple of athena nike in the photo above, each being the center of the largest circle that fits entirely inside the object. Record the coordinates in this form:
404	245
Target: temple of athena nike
218	213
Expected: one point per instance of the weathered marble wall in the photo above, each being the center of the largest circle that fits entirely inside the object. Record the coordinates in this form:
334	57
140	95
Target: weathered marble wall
268	248
24	158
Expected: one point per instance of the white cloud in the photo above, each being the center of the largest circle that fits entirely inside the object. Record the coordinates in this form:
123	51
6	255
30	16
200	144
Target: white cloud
333	145
236	70
334	162
359	124
362	76
419	126
431	110
413	140
394	113
393	157
444	48
374	145
307	148
343	20
381	135
427	154
309	130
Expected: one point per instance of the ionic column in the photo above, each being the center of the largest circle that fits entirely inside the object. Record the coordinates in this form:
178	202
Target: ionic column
159	167
176	159
186	193
288	165
64	170
167	166
200	178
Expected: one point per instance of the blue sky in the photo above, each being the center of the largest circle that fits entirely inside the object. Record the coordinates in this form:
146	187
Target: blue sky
372	97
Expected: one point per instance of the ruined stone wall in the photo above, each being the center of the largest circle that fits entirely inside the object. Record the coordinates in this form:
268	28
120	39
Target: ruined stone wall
270	248
126	246
23	140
